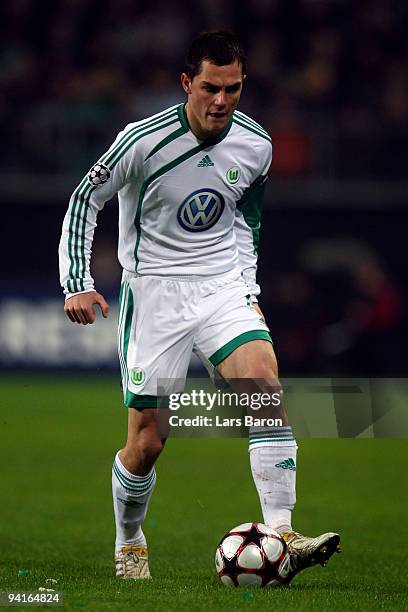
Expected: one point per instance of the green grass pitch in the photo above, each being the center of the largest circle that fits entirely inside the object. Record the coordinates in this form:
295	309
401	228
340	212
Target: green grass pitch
57	440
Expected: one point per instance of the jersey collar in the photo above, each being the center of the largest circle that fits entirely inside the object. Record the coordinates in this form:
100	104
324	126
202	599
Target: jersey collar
211	141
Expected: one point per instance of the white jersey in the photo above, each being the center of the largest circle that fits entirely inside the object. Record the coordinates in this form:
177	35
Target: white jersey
186	207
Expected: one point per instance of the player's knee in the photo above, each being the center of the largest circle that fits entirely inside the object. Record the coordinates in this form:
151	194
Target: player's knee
149	446
268	385
262	365
152	449
141	451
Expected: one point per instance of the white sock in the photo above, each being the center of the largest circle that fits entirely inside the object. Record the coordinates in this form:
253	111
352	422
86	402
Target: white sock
131	496
273	463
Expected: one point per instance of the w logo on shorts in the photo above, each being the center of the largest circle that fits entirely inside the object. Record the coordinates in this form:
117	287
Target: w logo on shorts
137	376
201	210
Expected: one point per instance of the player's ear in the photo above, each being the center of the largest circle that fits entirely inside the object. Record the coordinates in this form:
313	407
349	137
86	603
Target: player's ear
186	83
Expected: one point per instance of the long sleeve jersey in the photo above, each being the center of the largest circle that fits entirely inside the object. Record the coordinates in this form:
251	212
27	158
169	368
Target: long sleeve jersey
186	207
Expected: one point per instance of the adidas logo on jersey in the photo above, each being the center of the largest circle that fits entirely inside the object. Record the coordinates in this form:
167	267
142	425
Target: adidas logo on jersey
205	162
287	464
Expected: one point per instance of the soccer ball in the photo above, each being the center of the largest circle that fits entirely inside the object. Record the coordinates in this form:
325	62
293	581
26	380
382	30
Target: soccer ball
252	554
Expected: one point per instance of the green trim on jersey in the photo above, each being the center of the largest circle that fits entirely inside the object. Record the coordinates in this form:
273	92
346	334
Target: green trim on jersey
183	116
173	136
250	121
135	135
179	160
210	141
251	205
72	284
246	119
227	349
142	125
84	191
146	184
251	128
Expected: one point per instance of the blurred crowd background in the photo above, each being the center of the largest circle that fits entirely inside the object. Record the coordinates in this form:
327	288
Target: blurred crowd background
327	78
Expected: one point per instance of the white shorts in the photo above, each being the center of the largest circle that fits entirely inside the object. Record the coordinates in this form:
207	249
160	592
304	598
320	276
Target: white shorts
162	320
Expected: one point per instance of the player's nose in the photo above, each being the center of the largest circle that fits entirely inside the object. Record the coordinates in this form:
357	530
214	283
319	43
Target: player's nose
220	99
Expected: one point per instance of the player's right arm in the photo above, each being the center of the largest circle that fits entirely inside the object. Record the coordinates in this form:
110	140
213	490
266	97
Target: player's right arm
110	173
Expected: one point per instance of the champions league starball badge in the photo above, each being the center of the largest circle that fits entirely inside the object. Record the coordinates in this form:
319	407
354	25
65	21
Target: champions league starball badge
98	174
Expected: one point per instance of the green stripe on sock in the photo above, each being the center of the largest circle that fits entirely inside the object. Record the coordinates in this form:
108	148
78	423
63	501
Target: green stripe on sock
270	440
142	488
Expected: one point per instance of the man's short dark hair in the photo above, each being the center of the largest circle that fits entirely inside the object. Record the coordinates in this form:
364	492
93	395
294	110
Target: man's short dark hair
220	48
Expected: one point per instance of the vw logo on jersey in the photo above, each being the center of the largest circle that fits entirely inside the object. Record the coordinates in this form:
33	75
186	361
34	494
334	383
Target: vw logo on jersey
200	210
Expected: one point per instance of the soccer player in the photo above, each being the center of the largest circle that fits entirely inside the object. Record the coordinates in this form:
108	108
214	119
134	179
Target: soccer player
190	182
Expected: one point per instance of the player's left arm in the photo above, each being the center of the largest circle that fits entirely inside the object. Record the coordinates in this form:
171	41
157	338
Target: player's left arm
248	223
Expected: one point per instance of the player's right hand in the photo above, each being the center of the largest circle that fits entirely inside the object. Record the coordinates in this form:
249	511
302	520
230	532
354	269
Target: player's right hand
80	308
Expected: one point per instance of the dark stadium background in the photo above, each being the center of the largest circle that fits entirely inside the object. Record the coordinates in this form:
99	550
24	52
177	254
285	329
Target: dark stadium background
328	79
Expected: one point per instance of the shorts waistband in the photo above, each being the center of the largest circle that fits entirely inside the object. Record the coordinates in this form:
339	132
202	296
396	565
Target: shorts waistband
234	273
